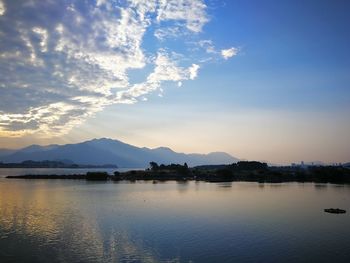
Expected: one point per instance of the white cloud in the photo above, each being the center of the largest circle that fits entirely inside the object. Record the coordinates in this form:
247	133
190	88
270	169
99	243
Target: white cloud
193	71
228	53
165	69
191	11
65	61
100	2
207	45
43	37
2	8
171	32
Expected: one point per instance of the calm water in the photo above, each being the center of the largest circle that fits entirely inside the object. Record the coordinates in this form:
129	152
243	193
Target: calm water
22	171
78	221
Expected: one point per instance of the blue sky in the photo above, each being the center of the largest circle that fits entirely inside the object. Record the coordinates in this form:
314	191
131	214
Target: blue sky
264	80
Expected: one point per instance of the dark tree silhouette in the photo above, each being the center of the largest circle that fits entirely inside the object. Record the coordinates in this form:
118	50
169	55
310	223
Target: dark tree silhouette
154	166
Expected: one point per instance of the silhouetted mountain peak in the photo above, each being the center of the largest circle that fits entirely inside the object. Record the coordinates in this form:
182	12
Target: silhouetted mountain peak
102	140
36	147
163	149
106	150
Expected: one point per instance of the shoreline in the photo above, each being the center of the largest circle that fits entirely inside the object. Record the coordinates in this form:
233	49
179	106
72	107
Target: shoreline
244	171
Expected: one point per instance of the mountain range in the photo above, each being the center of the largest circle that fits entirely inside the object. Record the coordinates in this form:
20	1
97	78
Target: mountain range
108	151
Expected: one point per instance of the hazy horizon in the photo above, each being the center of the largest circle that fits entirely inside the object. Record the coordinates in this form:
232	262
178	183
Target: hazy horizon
155	147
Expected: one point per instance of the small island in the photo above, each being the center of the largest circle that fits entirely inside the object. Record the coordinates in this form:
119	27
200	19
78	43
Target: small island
335	211
249	171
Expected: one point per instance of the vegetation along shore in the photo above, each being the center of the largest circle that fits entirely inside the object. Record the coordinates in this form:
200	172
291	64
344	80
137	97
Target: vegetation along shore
250	171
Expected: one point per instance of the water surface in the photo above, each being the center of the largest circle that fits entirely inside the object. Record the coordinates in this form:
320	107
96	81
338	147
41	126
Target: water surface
79	221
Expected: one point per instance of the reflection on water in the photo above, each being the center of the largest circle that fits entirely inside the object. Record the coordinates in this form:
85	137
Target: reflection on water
78	221
42	219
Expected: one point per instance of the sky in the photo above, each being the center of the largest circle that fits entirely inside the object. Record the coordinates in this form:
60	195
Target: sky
261	80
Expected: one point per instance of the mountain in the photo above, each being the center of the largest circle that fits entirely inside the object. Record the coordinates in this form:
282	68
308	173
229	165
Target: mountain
108	151
4	152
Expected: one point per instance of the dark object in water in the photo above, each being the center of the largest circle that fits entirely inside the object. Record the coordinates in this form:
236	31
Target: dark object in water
335	211
96	176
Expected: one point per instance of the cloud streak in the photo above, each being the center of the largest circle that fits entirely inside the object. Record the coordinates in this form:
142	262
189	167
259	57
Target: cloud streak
209	48
62	62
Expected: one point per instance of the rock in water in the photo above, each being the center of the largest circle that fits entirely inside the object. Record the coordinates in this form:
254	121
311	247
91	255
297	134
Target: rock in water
335	211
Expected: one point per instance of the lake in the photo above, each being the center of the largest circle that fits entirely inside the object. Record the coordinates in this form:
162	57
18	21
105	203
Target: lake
79	221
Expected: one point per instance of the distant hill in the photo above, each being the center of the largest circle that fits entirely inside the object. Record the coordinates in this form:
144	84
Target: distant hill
108	151
51	164
5	152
